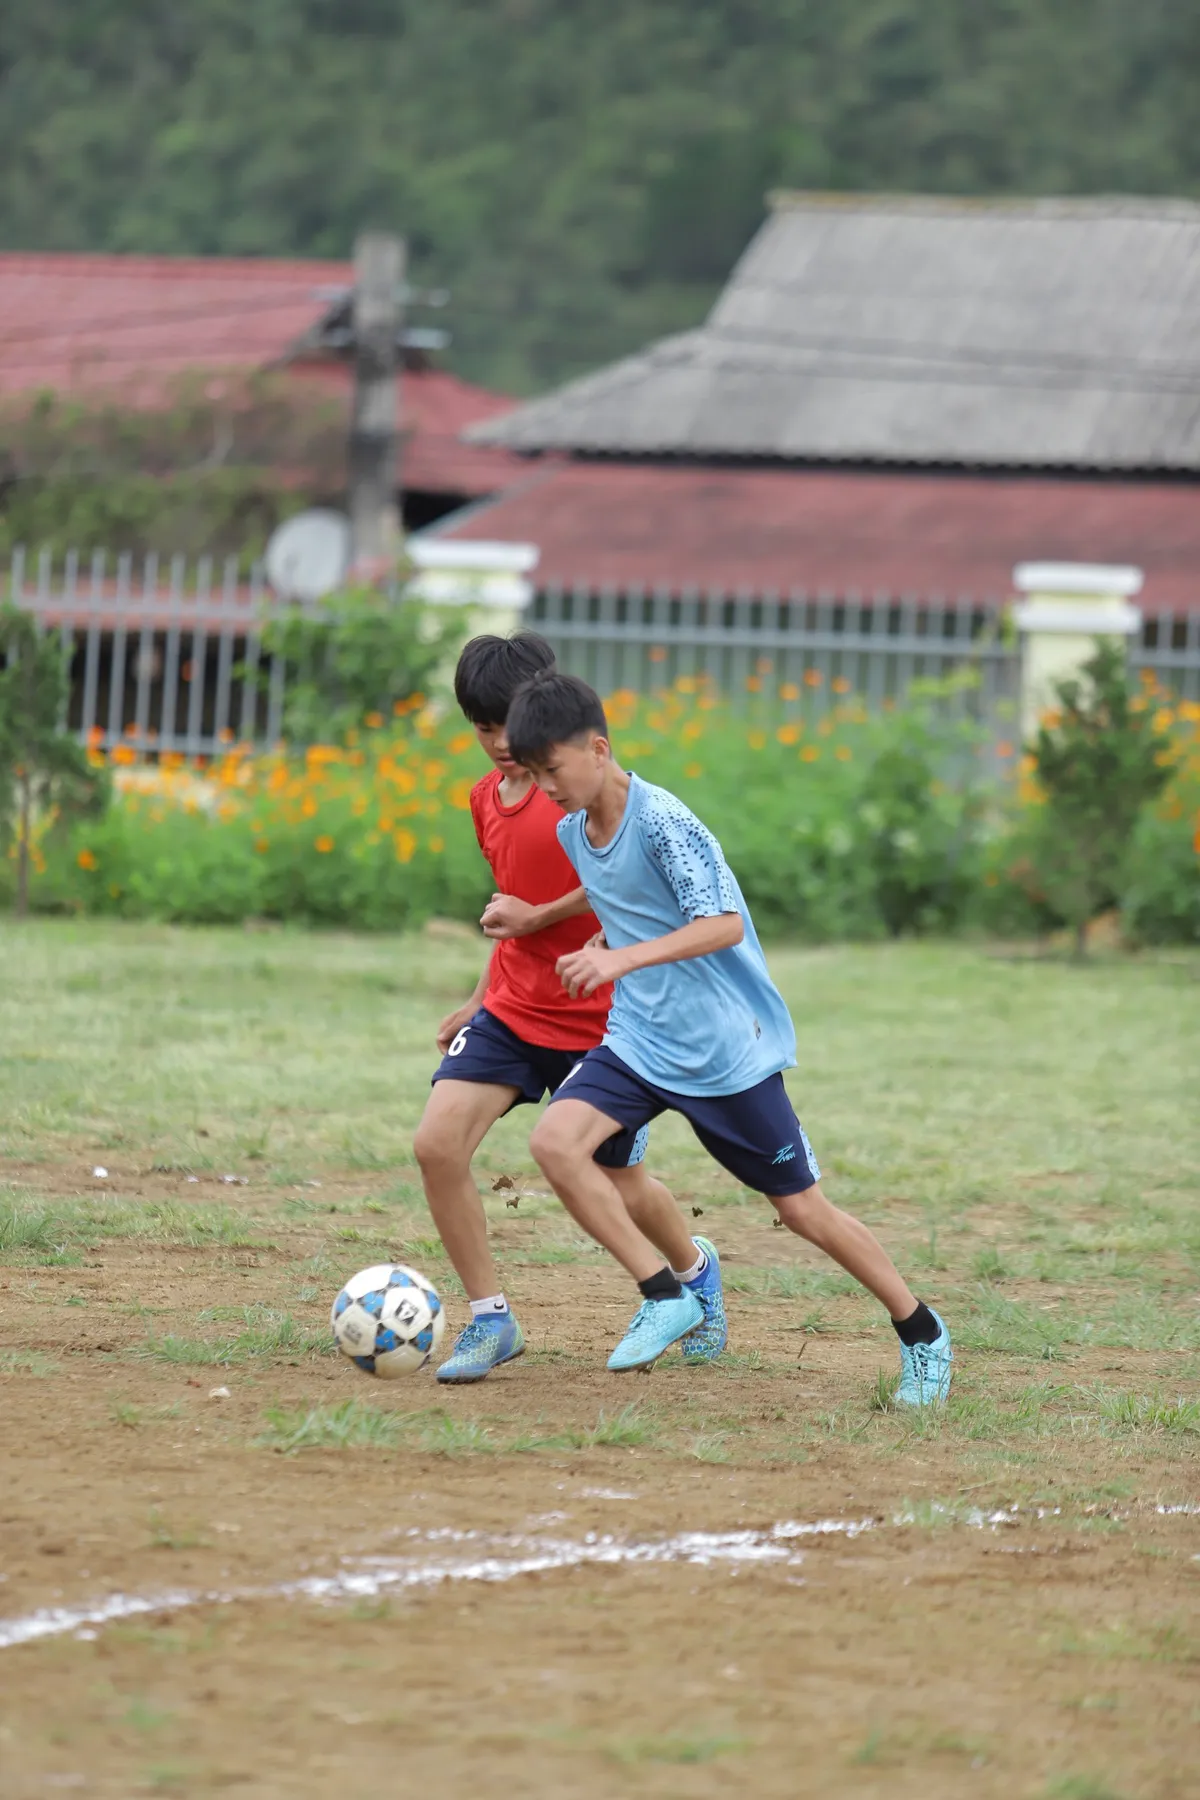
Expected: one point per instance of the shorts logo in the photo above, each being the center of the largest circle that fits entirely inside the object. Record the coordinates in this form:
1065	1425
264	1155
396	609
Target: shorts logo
571	1072
786	1154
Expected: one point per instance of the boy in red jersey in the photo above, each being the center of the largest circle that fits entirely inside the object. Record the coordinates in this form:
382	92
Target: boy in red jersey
520	1034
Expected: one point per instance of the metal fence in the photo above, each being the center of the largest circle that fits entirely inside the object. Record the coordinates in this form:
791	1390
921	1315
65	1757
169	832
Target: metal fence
170	657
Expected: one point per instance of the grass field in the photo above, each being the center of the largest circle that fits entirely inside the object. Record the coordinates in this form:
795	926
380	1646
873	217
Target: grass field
1003	1600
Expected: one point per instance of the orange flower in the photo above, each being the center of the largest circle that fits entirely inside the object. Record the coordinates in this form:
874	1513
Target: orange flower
843	753
691	731
462	740
788	734
358	805
86	859
1196	838
753	684
789	691
225	735
437	845
124	754
694	770
657	653
764	665
405	844
1004	749
686	684
262	845
373	721
809	753
95	736
1164	718
813	678
323	845
308	806
459	794
840	685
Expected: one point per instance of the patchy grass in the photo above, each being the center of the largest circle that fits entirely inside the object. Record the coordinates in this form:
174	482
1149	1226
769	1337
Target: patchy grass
27	1362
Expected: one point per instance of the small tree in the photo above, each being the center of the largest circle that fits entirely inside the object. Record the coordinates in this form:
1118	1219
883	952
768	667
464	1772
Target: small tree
44	772
355	654
1098	762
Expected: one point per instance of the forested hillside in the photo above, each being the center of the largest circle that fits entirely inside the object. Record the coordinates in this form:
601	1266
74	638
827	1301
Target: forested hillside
580	173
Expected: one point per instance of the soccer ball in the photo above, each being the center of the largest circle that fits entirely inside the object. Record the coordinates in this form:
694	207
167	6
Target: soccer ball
389	1320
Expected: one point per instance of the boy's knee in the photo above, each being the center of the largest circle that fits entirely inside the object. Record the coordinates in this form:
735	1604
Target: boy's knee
438	1150
801	1212
550	1144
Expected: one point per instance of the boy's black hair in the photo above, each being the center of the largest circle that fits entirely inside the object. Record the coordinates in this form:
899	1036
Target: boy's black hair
551	709
491	669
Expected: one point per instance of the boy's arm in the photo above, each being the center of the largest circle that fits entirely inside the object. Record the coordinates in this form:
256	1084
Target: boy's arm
453	1023
583	971
505	916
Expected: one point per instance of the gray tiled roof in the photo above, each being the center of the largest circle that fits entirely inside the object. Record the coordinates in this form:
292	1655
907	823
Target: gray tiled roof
1053	333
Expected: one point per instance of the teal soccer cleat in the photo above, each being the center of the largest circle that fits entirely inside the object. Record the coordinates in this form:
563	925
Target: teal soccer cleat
711	1335
481	1347
925	1370
657	1324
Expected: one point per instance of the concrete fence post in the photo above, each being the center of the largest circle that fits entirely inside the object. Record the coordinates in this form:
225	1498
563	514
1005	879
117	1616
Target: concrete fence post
1064	609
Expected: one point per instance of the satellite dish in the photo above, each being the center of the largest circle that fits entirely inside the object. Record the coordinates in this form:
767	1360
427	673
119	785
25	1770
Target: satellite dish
308	556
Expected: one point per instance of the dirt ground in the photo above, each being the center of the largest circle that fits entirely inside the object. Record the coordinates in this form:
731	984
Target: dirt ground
932	1651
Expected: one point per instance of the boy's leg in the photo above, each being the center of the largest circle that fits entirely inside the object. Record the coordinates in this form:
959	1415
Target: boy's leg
458	1116
758	1138
849	1242
564	1142
655	1211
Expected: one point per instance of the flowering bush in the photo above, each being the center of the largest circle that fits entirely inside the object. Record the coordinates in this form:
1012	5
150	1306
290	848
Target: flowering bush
843	826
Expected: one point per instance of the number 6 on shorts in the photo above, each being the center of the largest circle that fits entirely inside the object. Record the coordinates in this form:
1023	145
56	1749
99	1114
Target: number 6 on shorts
459	1044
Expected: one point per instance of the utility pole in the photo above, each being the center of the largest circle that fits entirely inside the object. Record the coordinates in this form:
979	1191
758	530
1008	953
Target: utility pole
379	267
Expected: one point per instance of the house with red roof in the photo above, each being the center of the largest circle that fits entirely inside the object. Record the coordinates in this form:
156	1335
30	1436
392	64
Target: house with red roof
99	324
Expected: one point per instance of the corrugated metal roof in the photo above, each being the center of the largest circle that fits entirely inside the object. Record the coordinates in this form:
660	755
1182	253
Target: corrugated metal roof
1053	333
760	531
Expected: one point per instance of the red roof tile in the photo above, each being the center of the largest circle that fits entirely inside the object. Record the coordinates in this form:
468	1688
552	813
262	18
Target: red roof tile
75	323
760	531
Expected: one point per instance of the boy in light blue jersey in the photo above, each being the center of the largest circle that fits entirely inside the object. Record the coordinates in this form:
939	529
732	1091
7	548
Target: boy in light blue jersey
696	1027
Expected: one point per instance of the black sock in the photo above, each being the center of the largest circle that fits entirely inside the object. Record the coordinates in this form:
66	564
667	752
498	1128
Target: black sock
920	1327
663	1286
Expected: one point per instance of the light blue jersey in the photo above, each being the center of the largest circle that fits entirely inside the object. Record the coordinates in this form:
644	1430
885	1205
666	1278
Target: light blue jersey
715	1024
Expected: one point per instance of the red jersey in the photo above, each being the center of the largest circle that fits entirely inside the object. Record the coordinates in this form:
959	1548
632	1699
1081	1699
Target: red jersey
521	845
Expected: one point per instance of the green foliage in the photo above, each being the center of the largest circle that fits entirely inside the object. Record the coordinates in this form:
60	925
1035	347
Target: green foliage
199	472
357	653
1099	762
578	175
45	777
846	827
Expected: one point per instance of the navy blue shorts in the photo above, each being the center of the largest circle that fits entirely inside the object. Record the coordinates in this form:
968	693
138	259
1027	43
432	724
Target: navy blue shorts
755	1135
486	1050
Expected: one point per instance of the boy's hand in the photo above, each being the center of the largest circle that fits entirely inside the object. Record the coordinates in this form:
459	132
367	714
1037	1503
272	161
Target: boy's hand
583	971
453	1023
505	916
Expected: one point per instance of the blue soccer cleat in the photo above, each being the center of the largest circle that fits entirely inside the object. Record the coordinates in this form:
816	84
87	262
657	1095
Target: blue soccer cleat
709	1337
482	1346
657	1324
925	1370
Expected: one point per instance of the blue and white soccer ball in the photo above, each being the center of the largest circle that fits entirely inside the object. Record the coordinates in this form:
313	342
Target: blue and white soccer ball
389	1320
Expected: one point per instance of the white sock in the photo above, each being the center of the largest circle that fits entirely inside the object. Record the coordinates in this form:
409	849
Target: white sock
697	1269
486	1309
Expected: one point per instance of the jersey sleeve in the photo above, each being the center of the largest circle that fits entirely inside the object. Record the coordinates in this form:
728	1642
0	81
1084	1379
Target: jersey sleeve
564	830
690	858
477	794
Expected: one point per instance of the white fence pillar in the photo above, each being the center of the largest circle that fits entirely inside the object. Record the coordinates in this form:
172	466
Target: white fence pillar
1067	606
